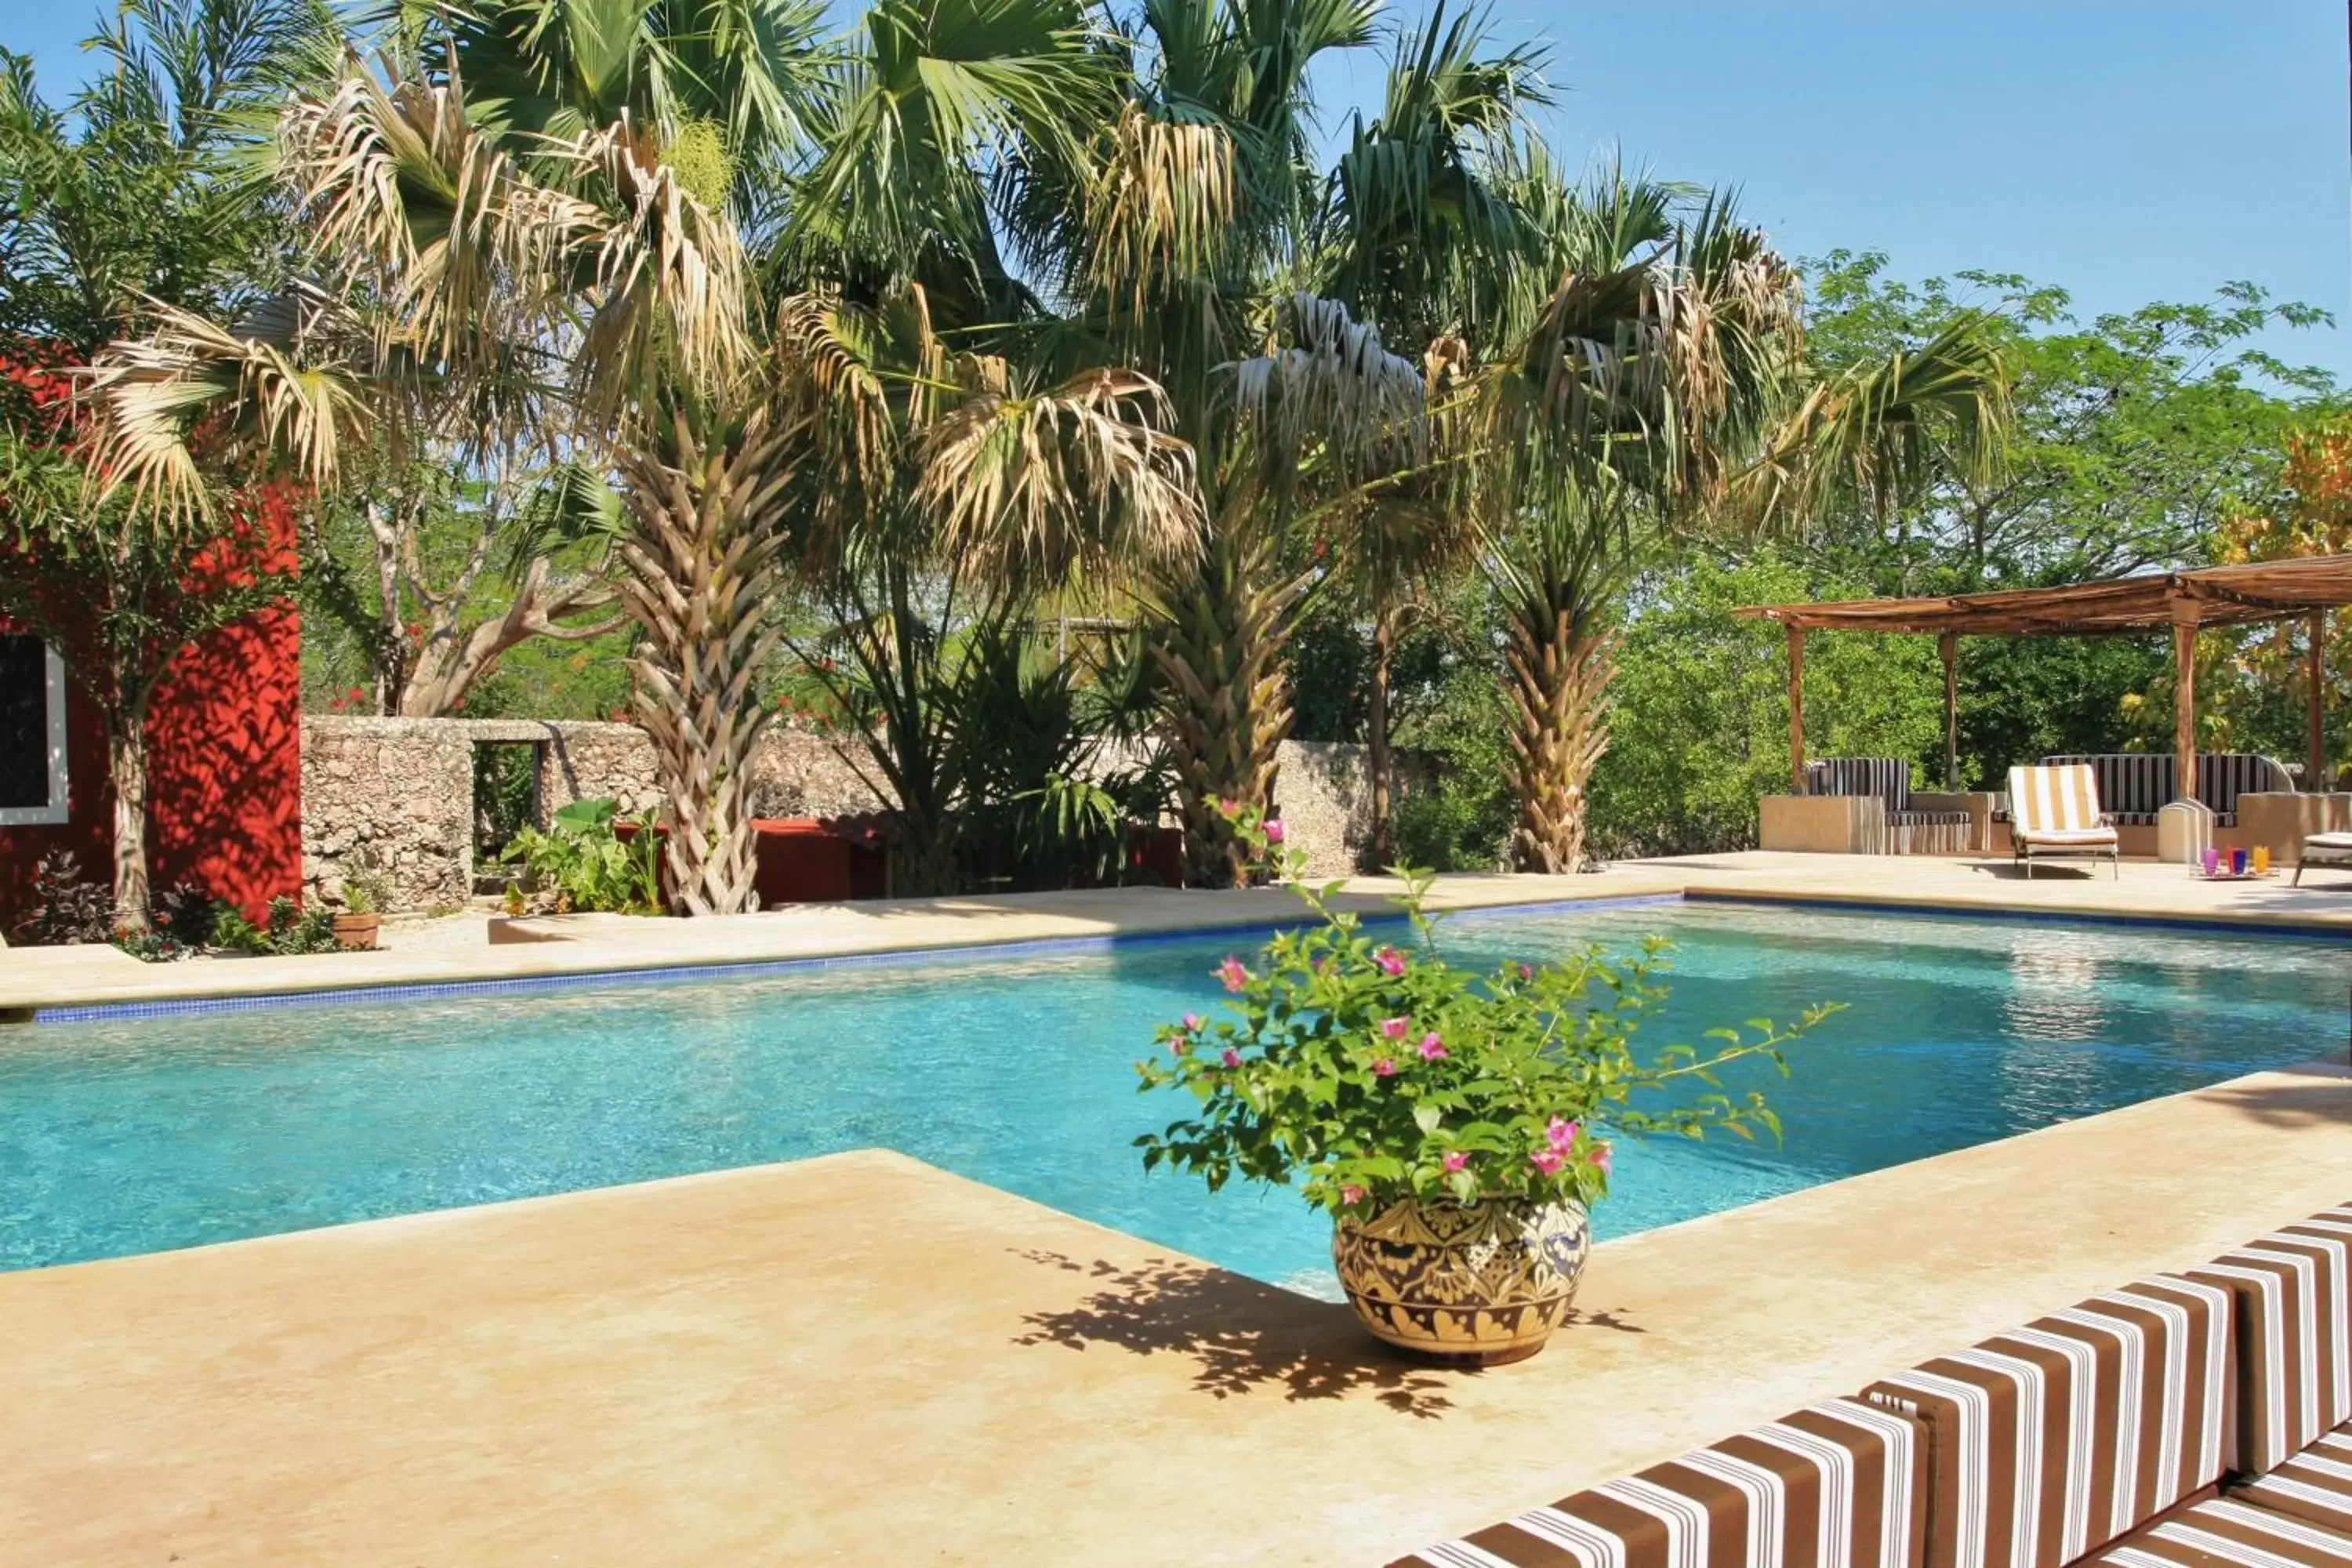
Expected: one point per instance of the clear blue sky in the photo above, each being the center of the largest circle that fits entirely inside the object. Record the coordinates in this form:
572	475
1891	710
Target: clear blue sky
2126	150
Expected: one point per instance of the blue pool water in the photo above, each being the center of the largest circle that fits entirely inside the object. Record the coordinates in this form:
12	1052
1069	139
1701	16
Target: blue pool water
133	1135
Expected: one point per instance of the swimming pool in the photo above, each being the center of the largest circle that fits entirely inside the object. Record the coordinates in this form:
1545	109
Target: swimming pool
135	1134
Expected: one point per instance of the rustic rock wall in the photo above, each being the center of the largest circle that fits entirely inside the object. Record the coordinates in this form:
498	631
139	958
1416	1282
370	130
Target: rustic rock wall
401	791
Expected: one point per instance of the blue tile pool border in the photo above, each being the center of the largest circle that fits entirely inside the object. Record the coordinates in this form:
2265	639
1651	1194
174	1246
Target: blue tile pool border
763	968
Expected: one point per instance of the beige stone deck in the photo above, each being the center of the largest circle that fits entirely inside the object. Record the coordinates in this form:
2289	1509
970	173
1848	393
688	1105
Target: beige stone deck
588	944
859	1358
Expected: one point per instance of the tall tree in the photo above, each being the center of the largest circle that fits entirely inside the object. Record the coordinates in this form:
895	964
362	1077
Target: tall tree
135	201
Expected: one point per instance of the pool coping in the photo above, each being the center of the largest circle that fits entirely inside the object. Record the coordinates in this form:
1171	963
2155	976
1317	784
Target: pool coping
574	952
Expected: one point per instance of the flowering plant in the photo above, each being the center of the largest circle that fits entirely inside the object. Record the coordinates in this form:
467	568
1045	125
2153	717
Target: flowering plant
1369	1072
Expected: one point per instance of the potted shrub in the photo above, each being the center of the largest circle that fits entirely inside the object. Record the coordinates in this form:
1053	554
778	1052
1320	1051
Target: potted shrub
1456	1125
365	892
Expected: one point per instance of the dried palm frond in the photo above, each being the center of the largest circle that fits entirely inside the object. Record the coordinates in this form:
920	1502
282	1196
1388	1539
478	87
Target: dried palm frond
1162	208
1336	386
1033	488
154	395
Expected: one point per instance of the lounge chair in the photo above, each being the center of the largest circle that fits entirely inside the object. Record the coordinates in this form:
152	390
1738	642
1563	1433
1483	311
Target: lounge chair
2323	850
2054	812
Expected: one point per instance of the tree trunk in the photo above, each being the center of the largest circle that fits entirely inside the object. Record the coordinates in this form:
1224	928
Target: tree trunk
1559	676
1376	736
1217	640
702	569
126	760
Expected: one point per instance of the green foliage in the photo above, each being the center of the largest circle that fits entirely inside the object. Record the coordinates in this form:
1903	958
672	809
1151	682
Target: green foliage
153	946
1369	1073
1700	724
2137	434
66	907
1456	811
286	930
584	864
506	795
367	889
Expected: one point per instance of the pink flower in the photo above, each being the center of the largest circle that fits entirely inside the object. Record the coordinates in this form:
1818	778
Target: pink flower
1231	1058
1390	961
1191	1023
1180	1046
1527	972
1351	1194
1547	1159
1599	1156
1431	1047
1274	830
1560	1135
1456	1161
1385	1067
1232	973
1394	1028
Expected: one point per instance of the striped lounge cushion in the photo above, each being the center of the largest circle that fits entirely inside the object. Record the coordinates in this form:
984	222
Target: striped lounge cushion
2294	1325
2053	1440
2316	1486
1834	1486
2226	1534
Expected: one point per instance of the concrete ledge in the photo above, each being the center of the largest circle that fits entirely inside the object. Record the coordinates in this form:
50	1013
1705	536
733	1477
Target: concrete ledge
861	1357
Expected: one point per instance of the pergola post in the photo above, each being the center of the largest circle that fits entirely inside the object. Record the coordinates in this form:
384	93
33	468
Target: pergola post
1796	709
1947	643
2315	735
2184	699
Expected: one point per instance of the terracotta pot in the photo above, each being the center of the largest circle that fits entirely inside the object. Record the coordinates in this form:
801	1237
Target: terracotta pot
356	932
1470	1284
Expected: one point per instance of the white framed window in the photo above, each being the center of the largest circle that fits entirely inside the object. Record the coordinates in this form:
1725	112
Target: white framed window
32	734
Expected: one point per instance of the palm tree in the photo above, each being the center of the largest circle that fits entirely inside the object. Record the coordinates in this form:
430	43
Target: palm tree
1665	389
1422	231
588	271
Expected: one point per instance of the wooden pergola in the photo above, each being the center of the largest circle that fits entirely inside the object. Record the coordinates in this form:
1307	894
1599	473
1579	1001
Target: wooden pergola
2255	592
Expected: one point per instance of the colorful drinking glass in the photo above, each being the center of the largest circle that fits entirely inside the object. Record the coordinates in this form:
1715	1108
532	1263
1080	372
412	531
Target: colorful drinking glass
2237	862
2262	860
2212	859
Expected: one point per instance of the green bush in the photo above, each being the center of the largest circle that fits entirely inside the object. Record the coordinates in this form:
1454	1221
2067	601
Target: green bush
583	865
286	930
1698	723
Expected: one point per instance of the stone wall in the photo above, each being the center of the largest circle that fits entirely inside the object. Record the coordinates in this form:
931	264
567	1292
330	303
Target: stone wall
401	791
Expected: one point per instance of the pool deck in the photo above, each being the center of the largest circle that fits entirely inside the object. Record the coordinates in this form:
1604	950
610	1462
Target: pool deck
861	1358
35	979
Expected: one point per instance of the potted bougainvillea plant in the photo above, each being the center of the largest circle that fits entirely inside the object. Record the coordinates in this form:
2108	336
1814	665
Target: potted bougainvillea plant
1457	1125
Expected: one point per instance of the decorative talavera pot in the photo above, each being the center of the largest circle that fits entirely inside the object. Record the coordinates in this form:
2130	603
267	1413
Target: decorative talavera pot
1472	1284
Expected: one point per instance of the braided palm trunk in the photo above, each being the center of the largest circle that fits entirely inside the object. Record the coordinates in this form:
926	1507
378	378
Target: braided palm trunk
702	567
1559	669
1218	643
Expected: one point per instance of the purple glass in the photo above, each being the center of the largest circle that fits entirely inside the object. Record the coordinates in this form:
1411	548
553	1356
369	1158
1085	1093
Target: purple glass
2212	860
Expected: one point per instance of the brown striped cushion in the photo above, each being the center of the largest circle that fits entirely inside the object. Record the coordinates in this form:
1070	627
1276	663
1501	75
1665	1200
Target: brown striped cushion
1835	1486
2316	1486
2051	1440
2226	1534
2295	1326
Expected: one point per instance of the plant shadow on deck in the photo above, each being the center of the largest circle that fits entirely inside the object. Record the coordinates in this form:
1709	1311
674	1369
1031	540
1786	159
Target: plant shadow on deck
1243	1335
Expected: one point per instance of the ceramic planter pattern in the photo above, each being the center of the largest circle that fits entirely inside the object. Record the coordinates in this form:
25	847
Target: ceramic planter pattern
1470	1283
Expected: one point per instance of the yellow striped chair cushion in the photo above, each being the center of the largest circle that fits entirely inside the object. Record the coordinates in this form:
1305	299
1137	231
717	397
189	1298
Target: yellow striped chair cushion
2316	1486
2060	800
2295	1326
2053	1440
1834	1486
2226	1534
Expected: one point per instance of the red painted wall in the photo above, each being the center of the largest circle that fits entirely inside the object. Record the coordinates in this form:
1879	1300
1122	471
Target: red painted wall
224	771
